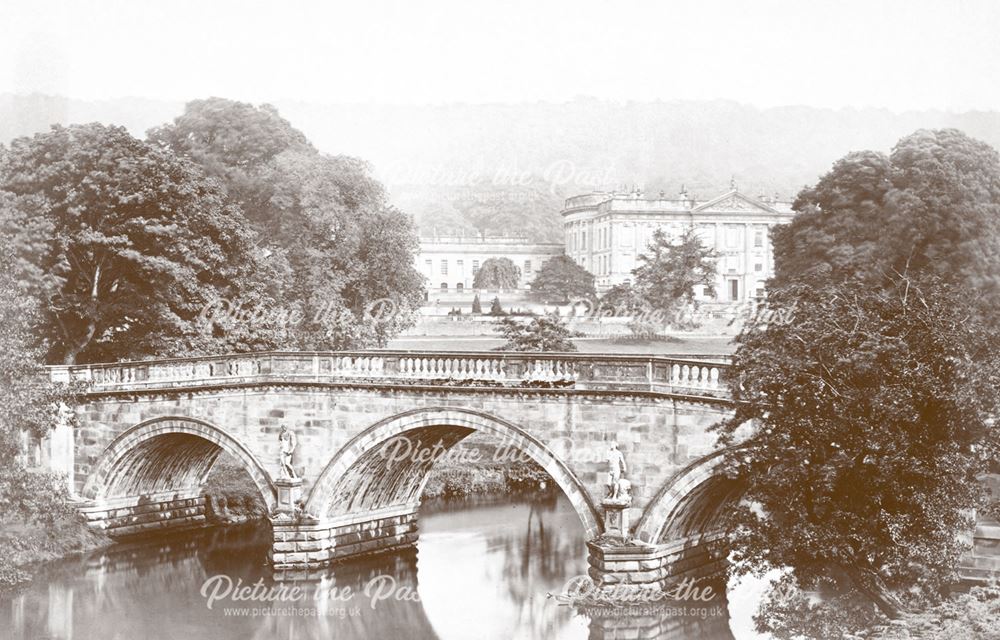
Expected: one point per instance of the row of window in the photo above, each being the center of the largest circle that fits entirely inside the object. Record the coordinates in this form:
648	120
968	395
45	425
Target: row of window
603	237
603	264
460	264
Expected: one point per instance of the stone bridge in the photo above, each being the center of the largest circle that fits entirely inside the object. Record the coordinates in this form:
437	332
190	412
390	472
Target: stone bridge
370	425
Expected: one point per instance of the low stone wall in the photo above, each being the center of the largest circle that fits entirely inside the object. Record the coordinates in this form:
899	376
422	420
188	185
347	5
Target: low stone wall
696	558
142	514
304	544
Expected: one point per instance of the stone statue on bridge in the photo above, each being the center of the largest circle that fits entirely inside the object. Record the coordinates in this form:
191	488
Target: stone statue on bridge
618	487
287	443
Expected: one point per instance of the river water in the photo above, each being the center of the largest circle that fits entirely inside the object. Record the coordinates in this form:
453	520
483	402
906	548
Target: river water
480	571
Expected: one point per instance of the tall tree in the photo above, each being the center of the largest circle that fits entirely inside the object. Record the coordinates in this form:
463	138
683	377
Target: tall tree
347	255
561	279
932	206
127	242
238	143
868	387
497	273
669	271
862	423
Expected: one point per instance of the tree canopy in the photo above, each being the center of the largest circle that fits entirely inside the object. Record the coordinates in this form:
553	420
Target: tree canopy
528	204
497	273
868	384
125	242
562	279
669	270
341	255
871	414
932	206
29	404
544	333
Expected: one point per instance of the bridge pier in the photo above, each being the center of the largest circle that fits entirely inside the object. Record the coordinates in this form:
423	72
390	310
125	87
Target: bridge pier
131	515
614	561
307	542
616	557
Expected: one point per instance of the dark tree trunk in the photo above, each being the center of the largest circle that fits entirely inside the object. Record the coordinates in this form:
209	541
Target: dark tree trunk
875	590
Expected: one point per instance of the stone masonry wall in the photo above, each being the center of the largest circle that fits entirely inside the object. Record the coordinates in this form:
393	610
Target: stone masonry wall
298	545
143	514
658	435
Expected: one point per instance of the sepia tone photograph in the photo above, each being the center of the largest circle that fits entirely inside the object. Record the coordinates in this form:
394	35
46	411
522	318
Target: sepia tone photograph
525	320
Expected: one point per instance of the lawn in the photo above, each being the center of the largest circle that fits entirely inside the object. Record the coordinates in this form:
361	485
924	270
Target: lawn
700	345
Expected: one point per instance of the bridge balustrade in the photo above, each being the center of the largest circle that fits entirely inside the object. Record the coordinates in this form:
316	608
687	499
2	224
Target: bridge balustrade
701	376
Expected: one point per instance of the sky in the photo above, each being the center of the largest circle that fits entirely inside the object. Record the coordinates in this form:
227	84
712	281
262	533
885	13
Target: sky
897	54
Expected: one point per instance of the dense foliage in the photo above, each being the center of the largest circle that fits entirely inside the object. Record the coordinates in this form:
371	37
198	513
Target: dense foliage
341	257
561	279
871	418
932	206
227	231
670	270
497	273
869	383
125	243
35	518
544	333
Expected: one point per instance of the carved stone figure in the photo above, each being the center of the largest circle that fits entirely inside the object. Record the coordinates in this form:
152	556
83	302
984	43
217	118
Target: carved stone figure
616	467
623	491
287	443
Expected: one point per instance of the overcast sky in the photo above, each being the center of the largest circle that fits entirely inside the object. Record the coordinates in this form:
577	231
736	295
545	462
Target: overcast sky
900	54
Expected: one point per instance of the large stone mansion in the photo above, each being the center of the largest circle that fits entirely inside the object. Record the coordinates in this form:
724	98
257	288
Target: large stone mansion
605	232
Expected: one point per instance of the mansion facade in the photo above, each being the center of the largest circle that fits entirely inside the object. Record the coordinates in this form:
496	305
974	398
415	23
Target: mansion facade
451	264
606	233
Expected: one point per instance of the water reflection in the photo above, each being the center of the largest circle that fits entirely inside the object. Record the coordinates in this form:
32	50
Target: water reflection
484	571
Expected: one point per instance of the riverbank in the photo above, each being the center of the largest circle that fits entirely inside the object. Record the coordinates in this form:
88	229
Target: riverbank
230	495
507	479
23	547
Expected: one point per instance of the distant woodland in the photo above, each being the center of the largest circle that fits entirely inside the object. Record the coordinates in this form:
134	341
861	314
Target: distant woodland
504	169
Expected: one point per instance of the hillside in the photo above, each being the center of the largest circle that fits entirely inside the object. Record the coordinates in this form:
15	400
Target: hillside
436	155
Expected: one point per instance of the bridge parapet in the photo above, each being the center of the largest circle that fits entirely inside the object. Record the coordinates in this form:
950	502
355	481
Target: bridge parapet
699	377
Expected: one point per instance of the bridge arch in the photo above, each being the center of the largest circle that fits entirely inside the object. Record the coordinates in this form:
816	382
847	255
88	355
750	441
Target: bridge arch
169	453
367	474
690	502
